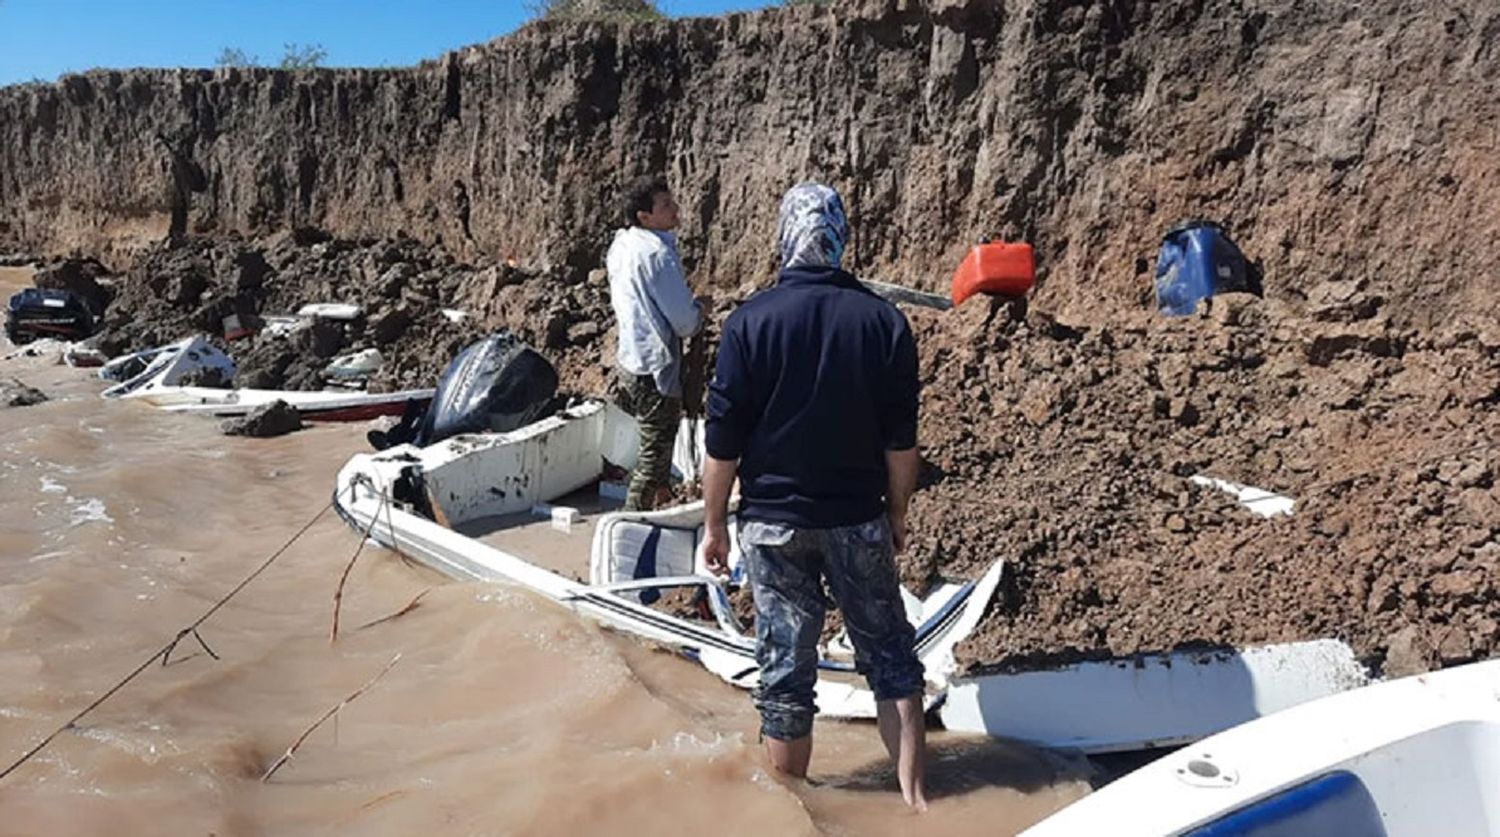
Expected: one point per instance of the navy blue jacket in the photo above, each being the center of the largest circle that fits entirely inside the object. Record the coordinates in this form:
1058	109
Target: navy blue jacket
816	380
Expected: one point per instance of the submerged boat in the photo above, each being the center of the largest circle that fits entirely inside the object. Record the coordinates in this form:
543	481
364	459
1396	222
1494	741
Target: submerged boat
525	507
1412	757
157	376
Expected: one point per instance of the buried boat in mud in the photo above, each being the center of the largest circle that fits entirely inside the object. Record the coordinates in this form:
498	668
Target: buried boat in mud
156	377
522	507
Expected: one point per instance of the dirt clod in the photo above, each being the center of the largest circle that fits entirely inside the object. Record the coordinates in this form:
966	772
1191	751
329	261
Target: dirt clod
274	419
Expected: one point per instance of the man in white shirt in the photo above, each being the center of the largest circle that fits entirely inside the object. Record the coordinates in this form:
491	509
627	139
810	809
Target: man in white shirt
655	311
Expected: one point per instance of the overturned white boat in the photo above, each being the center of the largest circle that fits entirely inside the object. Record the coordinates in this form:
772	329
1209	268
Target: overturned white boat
162	371
469	507
1407	758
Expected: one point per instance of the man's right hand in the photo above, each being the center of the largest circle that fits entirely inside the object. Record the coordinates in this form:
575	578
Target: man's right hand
898	532
901	467
716	550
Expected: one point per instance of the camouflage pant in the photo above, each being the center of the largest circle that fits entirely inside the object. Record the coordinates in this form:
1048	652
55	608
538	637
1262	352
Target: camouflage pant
658	416
787	567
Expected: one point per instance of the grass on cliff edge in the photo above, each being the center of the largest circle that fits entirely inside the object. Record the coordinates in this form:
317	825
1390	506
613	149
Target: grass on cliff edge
625	10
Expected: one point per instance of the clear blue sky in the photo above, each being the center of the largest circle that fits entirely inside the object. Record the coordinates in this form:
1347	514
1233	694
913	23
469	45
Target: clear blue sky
46	38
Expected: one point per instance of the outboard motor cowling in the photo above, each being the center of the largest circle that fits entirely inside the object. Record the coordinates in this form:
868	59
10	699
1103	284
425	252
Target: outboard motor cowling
34	313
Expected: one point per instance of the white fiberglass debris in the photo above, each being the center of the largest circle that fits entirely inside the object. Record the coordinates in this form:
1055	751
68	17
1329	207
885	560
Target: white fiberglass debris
1257	500
330	310
360	364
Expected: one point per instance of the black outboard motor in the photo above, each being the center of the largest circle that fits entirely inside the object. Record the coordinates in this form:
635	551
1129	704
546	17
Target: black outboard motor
493	386
34	313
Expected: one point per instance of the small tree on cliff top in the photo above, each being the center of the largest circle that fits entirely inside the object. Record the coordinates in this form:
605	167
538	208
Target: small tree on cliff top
622	10
235	57
304	57
294	57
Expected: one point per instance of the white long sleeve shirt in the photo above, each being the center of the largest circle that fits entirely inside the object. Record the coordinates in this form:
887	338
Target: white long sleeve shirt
653	305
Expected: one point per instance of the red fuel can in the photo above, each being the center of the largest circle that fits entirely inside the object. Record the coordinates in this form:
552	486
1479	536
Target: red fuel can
999	267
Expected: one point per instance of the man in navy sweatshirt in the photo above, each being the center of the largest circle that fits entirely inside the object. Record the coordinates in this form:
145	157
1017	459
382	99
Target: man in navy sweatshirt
814	405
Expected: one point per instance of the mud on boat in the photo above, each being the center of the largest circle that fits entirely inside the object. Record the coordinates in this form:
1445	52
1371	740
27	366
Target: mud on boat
527	507
524	508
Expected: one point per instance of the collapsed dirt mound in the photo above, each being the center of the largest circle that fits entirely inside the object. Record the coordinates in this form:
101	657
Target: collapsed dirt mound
1067	450
416	306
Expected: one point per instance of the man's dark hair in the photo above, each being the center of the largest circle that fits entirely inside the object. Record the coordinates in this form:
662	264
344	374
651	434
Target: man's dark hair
640	196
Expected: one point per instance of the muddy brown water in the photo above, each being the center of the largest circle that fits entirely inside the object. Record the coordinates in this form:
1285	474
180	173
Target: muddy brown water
506	714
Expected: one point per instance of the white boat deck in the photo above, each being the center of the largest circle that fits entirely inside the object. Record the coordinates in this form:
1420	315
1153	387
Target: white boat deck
523	533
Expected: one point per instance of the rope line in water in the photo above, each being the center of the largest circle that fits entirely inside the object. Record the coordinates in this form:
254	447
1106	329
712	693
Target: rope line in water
166	651
338	593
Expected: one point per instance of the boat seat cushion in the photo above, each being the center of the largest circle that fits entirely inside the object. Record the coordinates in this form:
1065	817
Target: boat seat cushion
640	549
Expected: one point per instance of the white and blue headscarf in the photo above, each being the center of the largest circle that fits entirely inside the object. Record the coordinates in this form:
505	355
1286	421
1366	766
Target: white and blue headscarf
813	228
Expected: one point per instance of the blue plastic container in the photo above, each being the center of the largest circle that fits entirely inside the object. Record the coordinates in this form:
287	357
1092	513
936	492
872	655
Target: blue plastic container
1197	261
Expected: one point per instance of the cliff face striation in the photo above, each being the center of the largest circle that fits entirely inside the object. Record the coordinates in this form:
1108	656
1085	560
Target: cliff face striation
1351	144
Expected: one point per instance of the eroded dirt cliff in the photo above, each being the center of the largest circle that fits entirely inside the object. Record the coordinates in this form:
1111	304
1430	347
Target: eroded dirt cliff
1338	142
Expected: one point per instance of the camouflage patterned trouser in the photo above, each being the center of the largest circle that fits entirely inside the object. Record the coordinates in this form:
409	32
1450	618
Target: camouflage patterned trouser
658	416
787	569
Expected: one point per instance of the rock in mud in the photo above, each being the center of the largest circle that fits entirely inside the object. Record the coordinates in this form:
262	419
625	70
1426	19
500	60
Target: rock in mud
251	270
1409	651
17	394
388	326
584	333
395	279
323	339
275	419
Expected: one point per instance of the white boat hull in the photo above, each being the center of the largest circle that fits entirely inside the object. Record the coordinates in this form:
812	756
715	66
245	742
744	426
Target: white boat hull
160	386
1156	700
1407	758
166	367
